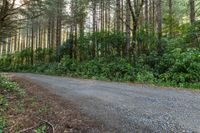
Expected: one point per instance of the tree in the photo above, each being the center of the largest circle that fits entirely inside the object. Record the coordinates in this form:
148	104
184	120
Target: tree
118	16
192	11
94	27
128	30
159	26
59	9
135	14
8	18
170	18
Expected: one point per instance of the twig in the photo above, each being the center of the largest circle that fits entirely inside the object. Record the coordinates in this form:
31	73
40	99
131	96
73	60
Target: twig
47	122
27	129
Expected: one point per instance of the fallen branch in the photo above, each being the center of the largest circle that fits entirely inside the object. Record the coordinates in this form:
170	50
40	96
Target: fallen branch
30	128
47	122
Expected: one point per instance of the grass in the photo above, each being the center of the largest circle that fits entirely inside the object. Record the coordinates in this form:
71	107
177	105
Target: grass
9	91
18	108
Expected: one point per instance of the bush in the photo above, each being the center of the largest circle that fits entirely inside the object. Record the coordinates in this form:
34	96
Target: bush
181	66
112	69
67	65
145	76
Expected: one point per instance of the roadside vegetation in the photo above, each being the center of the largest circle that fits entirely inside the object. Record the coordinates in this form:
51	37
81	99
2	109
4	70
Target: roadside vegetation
178	66
16	107
29	108
13	104
9	91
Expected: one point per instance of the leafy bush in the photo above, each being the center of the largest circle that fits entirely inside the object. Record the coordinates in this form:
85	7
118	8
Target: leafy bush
112	69
192	35
177	66
181	66
145	76
52	69
67	65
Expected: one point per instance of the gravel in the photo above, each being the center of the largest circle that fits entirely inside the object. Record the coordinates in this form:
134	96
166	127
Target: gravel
128	108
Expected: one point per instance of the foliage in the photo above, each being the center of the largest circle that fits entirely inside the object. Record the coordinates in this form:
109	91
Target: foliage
2	124
178	65
41	129
181	66
192	35
7	88
145	75
111	68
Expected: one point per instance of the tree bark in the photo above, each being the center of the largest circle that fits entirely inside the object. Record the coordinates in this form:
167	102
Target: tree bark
128	32
192	11
159	26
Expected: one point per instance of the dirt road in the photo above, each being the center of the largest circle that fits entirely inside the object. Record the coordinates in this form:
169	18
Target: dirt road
128	108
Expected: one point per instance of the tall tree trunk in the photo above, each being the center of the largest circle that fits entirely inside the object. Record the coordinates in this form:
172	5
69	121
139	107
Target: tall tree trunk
32	43
94	29
192	11
58	27
118	15
146	12
128	25
49	33
118	26
52	33
19	40
170	18
159	26
192	20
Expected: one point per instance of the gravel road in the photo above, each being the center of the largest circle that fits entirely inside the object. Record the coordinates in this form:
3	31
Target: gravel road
128	108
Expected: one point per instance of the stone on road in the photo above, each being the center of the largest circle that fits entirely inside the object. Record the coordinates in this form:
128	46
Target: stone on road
128	108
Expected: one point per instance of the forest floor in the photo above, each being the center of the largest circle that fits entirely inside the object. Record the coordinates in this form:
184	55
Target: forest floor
77	105
40	111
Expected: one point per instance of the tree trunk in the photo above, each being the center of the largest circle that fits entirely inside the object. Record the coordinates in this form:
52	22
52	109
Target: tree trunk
128	34
58	27
94	29
192	11
118	26
170	18
159	26
32	43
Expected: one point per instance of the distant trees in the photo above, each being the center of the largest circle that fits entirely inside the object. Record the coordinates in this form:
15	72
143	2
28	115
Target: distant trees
134	27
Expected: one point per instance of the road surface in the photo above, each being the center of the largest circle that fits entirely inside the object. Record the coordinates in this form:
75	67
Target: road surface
128	108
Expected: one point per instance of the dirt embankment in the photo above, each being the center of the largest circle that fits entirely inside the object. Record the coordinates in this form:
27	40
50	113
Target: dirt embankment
42	107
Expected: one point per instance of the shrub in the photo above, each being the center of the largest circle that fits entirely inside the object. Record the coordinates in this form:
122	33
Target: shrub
113	69
67	65
181	66
145	76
